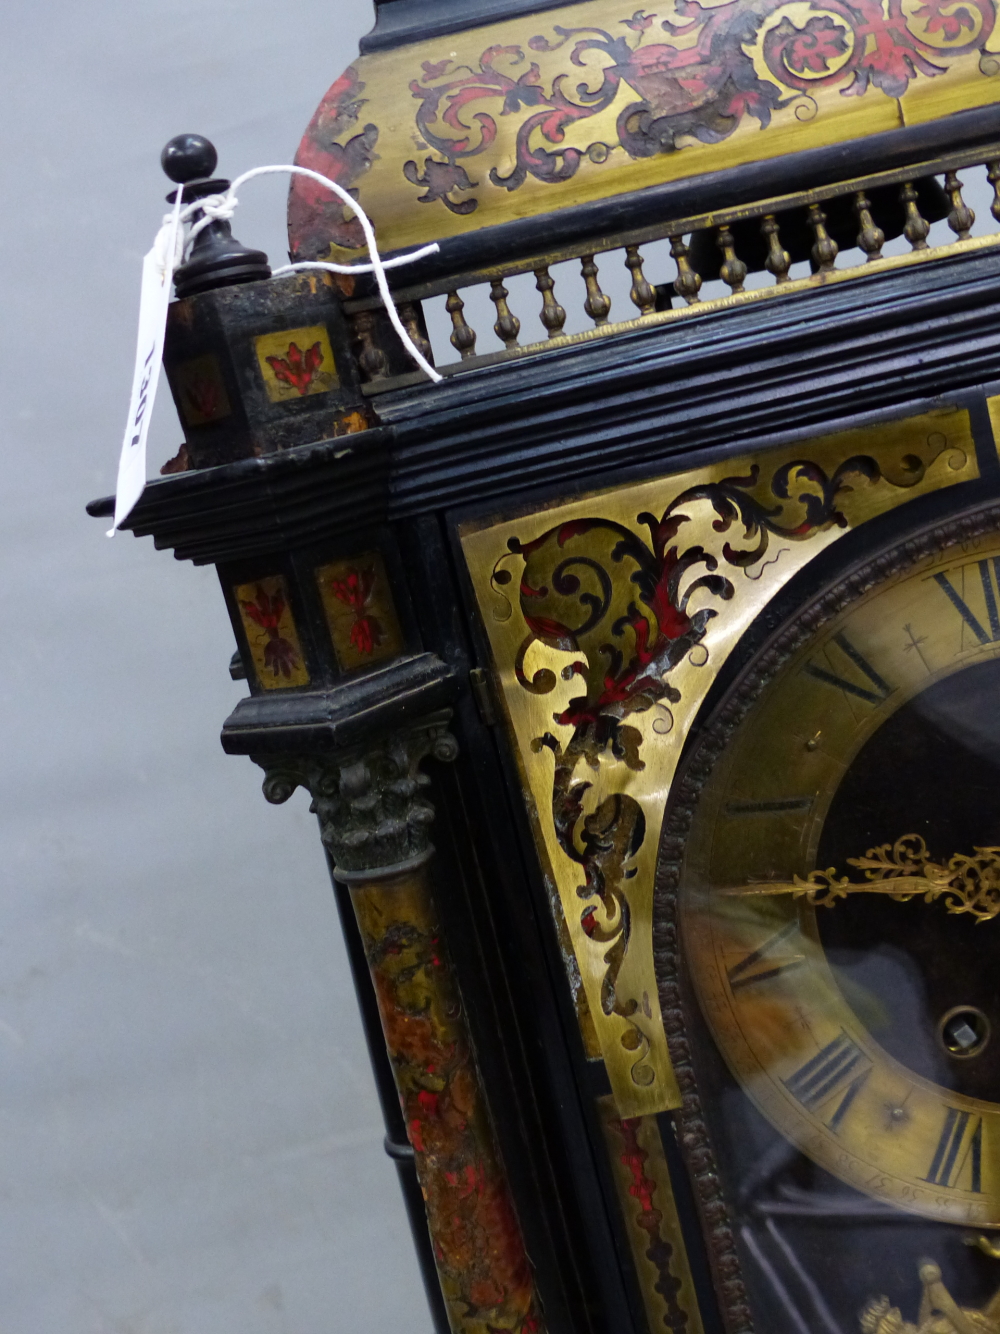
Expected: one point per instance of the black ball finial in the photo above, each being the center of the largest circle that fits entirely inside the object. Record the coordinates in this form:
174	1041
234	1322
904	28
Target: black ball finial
217	259
189	157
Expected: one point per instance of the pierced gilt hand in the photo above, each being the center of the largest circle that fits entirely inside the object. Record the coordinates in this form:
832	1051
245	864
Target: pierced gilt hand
903	871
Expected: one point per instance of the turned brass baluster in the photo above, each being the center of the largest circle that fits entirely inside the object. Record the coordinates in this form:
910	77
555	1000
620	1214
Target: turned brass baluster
553	316
463	337
641	295
993	176
778	261
410	316
733	271
372	360
961	217
597	305
917	228
508	326
687	283
825	249
871	237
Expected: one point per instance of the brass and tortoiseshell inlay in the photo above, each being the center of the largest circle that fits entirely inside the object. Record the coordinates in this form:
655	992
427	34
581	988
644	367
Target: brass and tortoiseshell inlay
642	1178
271	634
545	111
485	1275
360	613
608	619
375	817
296	362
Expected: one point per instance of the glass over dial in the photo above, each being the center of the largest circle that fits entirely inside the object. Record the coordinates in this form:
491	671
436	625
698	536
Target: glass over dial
840	893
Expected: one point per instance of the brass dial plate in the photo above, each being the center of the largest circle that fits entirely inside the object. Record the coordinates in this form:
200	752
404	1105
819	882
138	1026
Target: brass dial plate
775	1005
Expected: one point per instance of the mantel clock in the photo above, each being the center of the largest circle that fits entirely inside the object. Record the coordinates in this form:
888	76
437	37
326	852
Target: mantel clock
644	672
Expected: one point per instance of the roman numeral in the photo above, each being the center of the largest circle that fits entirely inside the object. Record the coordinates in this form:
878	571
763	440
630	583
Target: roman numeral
760	965
837	1074
989	597
960	1145
882	690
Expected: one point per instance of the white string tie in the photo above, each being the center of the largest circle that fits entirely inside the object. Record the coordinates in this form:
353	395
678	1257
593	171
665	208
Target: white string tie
222	208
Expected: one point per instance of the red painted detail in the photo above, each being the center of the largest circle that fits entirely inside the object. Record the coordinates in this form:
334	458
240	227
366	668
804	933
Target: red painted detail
355	591
416	1138
528	592
316	217
266	611
297	368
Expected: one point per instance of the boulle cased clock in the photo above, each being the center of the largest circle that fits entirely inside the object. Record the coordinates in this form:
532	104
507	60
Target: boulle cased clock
644	673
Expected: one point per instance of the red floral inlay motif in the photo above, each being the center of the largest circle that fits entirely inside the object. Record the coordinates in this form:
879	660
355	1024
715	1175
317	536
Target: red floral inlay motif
297	368
355	591
266	611
816	46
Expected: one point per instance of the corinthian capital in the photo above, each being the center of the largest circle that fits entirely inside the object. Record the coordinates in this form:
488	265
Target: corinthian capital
372	801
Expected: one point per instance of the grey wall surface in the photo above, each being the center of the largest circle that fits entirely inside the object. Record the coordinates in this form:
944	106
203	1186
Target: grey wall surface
189	1137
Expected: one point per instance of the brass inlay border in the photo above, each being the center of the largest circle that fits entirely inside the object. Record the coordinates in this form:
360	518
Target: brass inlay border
646	1195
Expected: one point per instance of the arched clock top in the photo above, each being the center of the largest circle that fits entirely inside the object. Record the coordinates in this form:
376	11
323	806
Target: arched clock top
445	128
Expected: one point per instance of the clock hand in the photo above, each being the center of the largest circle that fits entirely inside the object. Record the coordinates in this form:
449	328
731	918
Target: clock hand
983	1244
902	870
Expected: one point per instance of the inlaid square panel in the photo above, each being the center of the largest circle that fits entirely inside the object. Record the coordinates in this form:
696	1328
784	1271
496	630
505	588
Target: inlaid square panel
360	612
271	633
296	362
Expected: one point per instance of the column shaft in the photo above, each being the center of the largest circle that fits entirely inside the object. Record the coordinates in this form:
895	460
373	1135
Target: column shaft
480	1255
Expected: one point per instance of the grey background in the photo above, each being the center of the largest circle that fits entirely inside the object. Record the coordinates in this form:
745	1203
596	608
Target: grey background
189	1137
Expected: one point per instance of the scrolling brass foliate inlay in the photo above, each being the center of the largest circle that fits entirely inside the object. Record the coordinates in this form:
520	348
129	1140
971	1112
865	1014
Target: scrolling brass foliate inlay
902	871
608	619
542	112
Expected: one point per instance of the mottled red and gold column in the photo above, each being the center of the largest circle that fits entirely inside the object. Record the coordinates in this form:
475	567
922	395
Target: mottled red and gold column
375	821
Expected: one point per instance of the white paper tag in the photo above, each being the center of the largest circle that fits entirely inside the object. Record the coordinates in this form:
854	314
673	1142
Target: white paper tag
157	279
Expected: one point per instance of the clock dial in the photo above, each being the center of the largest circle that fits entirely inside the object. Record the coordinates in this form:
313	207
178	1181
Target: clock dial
839	899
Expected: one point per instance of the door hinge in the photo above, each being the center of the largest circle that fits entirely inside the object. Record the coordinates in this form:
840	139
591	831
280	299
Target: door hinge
482	693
